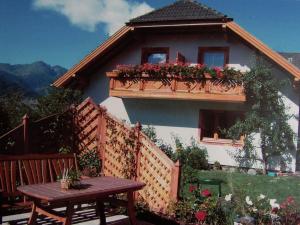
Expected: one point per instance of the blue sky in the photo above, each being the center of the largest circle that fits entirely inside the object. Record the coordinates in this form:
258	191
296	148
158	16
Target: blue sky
63	31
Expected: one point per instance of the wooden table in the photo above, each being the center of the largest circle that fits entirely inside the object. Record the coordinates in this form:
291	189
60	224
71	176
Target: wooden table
92	189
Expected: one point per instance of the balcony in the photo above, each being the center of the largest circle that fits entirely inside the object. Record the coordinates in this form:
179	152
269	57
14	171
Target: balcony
130	84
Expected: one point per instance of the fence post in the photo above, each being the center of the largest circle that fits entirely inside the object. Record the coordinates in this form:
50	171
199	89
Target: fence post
137	129
175	181
25	120
101	129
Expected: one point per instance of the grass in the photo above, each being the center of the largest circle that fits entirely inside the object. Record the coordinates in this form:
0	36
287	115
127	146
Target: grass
253	185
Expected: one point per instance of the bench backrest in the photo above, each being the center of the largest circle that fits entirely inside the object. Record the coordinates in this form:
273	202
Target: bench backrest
32	169
8	176
38	169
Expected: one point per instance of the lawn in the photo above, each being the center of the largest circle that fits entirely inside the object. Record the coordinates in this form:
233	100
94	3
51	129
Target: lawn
253	185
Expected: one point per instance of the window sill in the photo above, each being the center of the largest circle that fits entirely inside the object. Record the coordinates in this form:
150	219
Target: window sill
207	140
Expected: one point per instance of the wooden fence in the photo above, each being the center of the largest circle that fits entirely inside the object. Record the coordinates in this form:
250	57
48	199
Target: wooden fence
125	151
46	135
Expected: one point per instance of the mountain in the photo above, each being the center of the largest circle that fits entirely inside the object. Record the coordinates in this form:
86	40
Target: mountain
32	79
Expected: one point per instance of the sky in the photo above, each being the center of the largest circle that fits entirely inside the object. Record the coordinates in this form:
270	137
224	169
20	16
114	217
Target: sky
62	32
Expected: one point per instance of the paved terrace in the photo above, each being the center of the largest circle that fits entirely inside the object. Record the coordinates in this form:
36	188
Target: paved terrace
86	216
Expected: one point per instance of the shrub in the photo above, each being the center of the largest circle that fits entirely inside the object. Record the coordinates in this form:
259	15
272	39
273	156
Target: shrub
150	132
191	155
89	162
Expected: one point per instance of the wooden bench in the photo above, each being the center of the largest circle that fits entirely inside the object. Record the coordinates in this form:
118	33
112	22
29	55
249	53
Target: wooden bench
28	169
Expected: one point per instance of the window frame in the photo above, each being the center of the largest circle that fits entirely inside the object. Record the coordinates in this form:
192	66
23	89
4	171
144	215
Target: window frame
215	139
154	50
203	50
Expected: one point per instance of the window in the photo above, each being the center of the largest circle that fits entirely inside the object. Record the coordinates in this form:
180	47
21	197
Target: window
155	55
214	56
212	122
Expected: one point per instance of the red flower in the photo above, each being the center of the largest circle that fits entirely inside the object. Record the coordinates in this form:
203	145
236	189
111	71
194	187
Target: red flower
192	188
290	199
219	72
205	193
201	215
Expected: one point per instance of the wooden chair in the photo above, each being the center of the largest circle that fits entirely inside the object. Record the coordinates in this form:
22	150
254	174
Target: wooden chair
29	169
39	169
8	183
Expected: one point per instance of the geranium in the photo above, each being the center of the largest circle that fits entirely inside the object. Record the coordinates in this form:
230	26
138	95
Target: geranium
206	193
274	204
261	197
248	201
192	188
183	70
228	197
201	215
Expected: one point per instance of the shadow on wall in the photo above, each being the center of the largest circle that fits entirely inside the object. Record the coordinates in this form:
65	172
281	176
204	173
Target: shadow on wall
172	113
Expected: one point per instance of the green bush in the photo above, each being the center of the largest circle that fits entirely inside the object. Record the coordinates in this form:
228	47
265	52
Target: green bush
191	155
89	162
166	148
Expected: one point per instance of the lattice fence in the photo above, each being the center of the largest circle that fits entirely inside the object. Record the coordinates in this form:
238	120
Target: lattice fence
127	152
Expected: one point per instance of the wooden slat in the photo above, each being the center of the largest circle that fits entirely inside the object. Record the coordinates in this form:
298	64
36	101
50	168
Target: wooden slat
44	171
56	168
52	178
33	171
7	176
2	177
13	176
28	172
39	171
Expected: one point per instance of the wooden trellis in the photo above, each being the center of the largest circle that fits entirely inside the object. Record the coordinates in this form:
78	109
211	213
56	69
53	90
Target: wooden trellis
127	152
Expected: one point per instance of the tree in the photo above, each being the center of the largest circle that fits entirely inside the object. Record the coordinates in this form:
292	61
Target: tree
57	101
13	108
266	116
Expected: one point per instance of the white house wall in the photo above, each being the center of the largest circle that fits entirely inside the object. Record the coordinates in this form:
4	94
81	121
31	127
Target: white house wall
180	118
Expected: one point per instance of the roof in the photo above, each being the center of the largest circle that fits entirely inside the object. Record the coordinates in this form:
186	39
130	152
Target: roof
292	57
120	35
183	10
264	49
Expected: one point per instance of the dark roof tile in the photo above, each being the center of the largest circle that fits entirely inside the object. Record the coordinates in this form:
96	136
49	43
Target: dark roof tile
183	10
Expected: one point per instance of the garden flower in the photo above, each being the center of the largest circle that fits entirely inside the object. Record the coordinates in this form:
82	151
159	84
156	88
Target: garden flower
248	201
261	196
290	199
192	188
201	215
228	197
206	193
254	209
273	204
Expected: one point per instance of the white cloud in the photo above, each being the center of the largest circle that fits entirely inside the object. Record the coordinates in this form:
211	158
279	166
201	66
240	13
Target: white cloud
87	14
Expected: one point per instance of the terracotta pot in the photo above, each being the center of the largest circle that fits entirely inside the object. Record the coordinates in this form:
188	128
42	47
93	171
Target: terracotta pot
65	184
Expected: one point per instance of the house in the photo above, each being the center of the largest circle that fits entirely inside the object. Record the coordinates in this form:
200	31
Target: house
185	31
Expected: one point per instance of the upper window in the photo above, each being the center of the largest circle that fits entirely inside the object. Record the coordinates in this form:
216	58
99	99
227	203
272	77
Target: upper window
214	56
155	55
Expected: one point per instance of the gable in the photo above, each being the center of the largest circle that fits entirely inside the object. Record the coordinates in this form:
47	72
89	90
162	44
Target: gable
202	17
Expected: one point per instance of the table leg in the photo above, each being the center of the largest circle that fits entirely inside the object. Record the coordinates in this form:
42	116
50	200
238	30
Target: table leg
101	211
69	214
33	216
130	208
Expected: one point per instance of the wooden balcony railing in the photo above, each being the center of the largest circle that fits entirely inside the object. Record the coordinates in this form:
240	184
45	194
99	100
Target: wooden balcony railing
172	87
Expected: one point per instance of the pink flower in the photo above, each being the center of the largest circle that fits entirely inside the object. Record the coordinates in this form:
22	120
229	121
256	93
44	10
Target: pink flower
219	72
290	199
205	193
201	215
192	188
